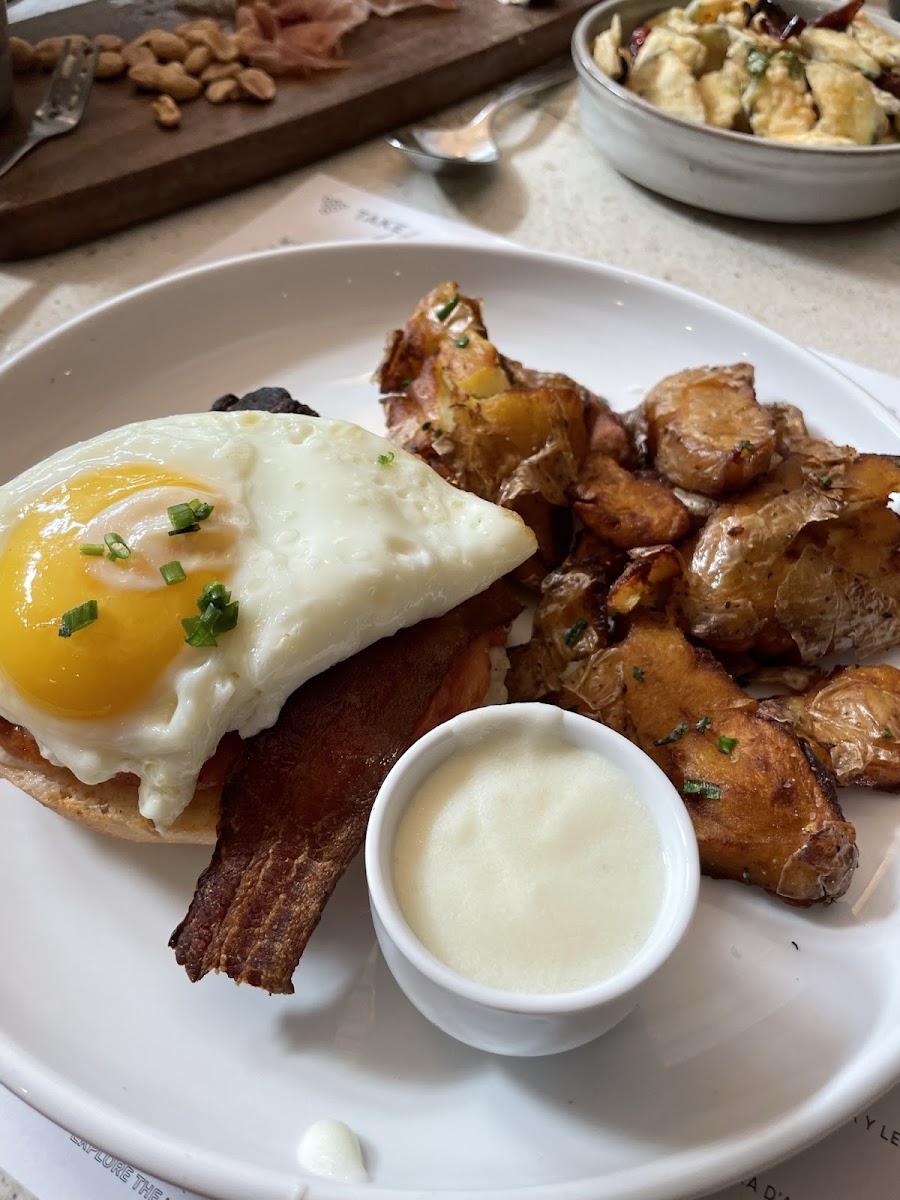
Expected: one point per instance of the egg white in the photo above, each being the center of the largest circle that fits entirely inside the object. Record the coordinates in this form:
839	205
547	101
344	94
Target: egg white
341	539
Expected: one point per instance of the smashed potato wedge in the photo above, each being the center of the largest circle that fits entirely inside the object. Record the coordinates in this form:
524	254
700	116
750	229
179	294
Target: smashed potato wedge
516	437
707	432
803	565
625	509
853	718
764	809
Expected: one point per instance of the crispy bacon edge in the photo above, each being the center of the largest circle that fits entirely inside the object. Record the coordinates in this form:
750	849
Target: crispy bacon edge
295	810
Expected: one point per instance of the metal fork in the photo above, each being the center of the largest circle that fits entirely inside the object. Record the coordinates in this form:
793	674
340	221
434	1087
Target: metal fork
62	106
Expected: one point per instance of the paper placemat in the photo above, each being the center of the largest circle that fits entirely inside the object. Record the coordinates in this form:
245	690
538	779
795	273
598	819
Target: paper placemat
859	1162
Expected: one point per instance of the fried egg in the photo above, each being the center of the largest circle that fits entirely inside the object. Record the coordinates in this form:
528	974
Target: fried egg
133	637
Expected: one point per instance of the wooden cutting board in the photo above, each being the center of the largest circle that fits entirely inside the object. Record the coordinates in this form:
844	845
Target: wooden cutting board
119	168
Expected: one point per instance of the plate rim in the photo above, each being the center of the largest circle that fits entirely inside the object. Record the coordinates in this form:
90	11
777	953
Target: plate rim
73	1107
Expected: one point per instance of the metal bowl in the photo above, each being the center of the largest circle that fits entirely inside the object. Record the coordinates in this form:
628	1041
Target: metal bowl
719	170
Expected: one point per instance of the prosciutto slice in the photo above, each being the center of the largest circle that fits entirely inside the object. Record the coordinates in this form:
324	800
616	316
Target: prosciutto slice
298	37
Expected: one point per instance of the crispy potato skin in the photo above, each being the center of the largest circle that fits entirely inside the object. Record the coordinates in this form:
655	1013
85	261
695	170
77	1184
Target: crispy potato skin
513	435
776	822
407	350
624	510
570	620
803	565
855	717
706	432
647	580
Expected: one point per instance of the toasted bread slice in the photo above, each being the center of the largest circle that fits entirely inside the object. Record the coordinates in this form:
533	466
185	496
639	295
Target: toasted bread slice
111	807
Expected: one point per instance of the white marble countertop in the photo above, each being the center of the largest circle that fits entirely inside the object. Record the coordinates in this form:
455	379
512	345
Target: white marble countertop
835	288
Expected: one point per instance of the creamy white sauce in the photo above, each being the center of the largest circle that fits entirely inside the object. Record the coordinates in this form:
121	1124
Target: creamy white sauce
893	502
330	1149
528	864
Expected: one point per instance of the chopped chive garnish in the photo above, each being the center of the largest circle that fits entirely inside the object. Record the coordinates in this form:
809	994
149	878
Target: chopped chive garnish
181	515
185	517
93	549
825	481
446	309
727	744
887	735
571	636
201	509
745	447
699	787
426	426
385	460
462	342
218	615
116	547
678	732
438	433
638	674
404	383
172	572
77	618
703	724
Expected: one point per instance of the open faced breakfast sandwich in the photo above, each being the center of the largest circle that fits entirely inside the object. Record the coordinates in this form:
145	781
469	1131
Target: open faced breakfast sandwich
238	620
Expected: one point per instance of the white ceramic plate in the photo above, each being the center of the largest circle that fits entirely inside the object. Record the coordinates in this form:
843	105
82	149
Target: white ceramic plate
746	1048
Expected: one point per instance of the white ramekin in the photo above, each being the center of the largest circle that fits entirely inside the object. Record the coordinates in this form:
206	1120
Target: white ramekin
511	1022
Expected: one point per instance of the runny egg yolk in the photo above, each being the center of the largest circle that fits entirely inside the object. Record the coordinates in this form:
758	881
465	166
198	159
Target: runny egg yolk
113	664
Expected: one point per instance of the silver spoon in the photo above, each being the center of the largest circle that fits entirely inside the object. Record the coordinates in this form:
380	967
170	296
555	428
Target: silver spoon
473	144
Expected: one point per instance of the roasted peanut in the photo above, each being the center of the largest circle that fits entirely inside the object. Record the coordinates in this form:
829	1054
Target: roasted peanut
137	53
168	47
145	76
245	40
257	84
220	44
22	55
189	27
167	112
109	41
198	59
222	90
48	50
218	70
110	65
174	80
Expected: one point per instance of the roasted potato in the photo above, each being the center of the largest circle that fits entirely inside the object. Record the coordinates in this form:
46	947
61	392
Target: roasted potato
802	565
608	432
764	809
707	432
647	580
625	510
489	425
855	717
442	313
570	620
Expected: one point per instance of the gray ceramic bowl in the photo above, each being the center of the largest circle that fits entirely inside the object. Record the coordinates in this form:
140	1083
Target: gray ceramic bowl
715	169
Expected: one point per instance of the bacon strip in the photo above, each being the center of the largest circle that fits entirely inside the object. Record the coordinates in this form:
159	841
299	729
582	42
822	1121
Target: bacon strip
294	812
